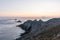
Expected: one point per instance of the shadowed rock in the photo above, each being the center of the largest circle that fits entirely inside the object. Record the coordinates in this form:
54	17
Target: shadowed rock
26	25
18	21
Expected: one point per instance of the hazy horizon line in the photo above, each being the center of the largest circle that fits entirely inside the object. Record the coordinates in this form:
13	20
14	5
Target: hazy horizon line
30	17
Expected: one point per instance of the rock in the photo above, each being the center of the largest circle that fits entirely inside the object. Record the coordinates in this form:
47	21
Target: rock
26	25
40	28
18	21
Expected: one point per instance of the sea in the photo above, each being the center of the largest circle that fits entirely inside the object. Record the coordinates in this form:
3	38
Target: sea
8	29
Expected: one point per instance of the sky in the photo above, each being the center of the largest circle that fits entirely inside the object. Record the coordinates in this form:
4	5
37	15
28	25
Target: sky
29	8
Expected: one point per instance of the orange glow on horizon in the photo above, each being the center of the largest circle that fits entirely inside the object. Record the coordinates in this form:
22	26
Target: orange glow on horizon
34	15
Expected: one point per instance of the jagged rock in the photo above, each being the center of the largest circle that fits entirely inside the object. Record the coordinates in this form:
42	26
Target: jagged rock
37	29
26	25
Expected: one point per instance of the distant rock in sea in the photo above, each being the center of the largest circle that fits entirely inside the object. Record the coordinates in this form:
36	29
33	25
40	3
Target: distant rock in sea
40	28
18	21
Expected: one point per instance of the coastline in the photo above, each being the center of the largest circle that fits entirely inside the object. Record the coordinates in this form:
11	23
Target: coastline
31	28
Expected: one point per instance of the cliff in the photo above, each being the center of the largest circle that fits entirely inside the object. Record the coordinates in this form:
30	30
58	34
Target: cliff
39	30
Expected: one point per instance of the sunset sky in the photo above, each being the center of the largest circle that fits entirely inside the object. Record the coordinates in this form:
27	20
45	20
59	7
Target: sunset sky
30	8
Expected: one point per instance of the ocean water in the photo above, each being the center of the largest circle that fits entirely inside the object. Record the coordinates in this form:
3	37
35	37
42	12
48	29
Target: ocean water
8	29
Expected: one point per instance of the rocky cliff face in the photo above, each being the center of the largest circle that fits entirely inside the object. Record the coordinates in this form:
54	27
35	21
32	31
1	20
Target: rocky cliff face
40	28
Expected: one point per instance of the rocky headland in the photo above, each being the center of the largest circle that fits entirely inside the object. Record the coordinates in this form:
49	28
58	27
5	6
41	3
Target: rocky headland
40	30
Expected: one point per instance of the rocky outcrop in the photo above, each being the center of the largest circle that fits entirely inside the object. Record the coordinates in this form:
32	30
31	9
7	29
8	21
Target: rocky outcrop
36	30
